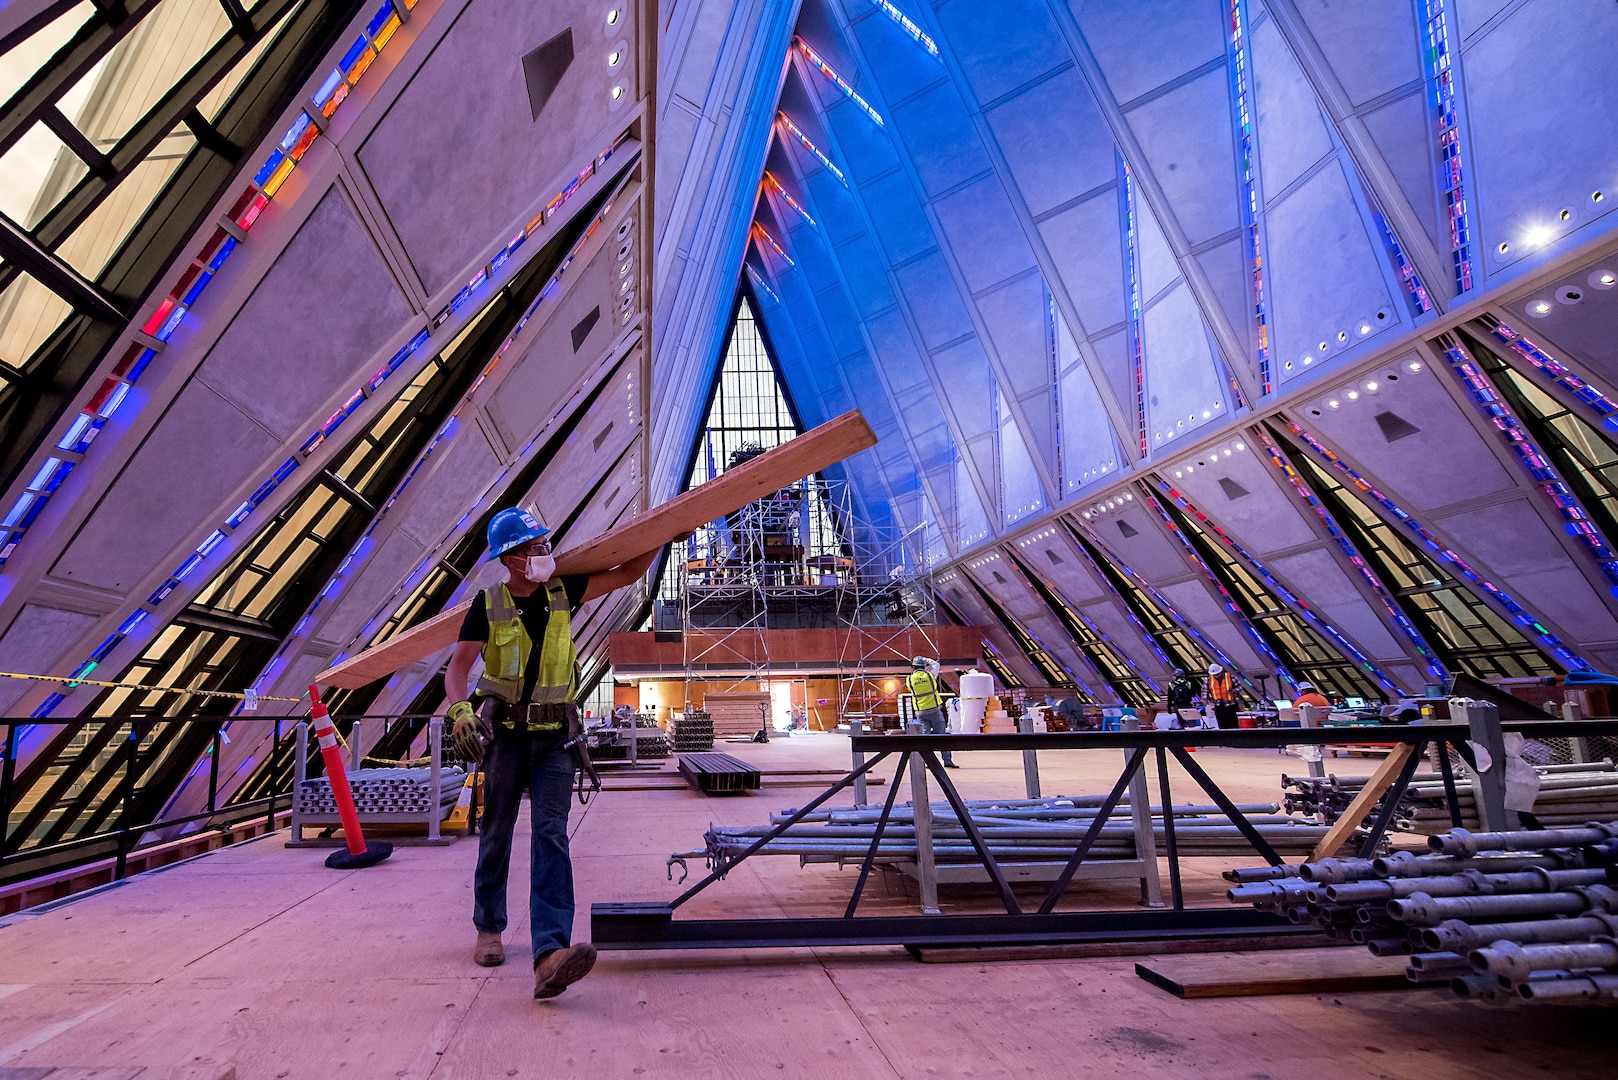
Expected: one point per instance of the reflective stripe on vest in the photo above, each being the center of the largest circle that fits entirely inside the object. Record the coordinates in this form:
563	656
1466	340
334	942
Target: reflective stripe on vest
506	652
1222	687
924	695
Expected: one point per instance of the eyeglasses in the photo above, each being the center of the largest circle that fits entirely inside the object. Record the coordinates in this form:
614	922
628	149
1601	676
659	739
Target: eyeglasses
533	547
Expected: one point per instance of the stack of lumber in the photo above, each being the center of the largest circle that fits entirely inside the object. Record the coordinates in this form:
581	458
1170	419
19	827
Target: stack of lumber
738	712
383	791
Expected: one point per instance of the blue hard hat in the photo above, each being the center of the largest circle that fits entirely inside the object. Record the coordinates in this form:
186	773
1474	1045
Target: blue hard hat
512	528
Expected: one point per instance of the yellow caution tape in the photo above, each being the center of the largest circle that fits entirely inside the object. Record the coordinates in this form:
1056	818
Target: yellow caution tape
74	683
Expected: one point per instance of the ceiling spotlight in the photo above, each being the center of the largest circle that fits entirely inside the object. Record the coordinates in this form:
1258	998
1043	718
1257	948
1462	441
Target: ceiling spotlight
1333	404
1289	365
1219	405
1178	474
1364	328
613	58
1190	468
1308	360
1207	413
1413	366
1538	235
1241	446
1342	335
1352	395
1603	279
1504	248
1323	346
1596	196
1227	451
1129	496
612	17
1565	214
1371	386
1542	307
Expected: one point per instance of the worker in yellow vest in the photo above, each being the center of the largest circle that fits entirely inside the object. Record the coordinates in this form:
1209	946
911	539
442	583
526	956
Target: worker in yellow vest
515	721
926	694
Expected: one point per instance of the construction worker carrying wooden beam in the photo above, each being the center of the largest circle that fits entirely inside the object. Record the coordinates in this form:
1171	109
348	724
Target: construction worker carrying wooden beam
517	722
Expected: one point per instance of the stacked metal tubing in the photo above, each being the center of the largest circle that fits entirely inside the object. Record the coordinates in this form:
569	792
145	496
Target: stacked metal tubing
1497	916
1568	795
1022	830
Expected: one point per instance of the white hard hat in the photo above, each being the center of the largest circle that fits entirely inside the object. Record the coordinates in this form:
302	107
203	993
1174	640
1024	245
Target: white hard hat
1306	686
1214	669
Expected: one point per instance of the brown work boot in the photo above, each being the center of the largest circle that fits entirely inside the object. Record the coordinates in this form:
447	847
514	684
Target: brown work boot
488	952
558	969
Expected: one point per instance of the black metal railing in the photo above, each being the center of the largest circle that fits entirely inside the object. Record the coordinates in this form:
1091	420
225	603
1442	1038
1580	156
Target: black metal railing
117	809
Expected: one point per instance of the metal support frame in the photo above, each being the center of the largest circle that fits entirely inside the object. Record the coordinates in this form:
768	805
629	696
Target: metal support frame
651	925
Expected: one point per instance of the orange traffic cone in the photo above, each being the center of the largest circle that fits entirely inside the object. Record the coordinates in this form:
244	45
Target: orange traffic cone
359	853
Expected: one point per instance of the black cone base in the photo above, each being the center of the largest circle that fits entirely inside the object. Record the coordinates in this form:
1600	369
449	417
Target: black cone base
375	851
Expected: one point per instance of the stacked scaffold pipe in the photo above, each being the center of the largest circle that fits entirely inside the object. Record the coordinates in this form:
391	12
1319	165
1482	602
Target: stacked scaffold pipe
1568	795
1016	830
1498	916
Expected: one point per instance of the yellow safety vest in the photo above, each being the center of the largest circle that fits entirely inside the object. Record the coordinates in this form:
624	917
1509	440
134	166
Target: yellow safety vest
505	654
923	694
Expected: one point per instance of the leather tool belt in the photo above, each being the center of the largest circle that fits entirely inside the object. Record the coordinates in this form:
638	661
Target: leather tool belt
547	716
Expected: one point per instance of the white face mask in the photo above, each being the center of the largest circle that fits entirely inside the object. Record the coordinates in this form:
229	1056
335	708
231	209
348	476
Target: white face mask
539	567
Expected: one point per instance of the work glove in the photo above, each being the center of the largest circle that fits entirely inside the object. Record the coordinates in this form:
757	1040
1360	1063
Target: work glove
466	734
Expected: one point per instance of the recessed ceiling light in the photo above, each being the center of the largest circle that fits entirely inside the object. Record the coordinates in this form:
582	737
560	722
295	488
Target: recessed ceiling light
1603	279
1308	360
1364	328
617	92
1333	404
613	58
1542	307
1413	366
1241	446
1596	196
1565	214
1371	386
1342	335
1504	248
1323	346
612	17
1227	451
1352	395
1538	235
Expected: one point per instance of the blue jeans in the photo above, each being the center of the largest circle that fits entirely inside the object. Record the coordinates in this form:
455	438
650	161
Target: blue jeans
521	761
934	722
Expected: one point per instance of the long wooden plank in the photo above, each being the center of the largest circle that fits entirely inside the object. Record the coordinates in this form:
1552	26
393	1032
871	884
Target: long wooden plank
810	452
1350	820
1304	971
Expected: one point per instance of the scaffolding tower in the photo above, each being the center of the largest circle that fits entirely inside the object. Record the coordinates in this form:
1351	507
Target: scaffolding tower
800	558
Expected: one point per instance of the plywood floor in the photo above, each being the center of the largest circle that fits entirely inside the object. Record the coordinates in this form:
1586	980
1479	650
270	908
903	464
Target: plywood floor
259	957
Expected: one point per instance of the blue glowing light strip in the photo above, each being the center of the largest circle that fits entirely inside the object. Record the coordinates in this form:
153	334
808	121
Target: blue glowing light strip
811	147
1162	603
917	34
161	325
758	279
1435	667
1101	636
1238	75
768	239
775	185
848	91
1555	370
1415	291
1519	615
1576	519
1451	175
1280	590
1137	357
